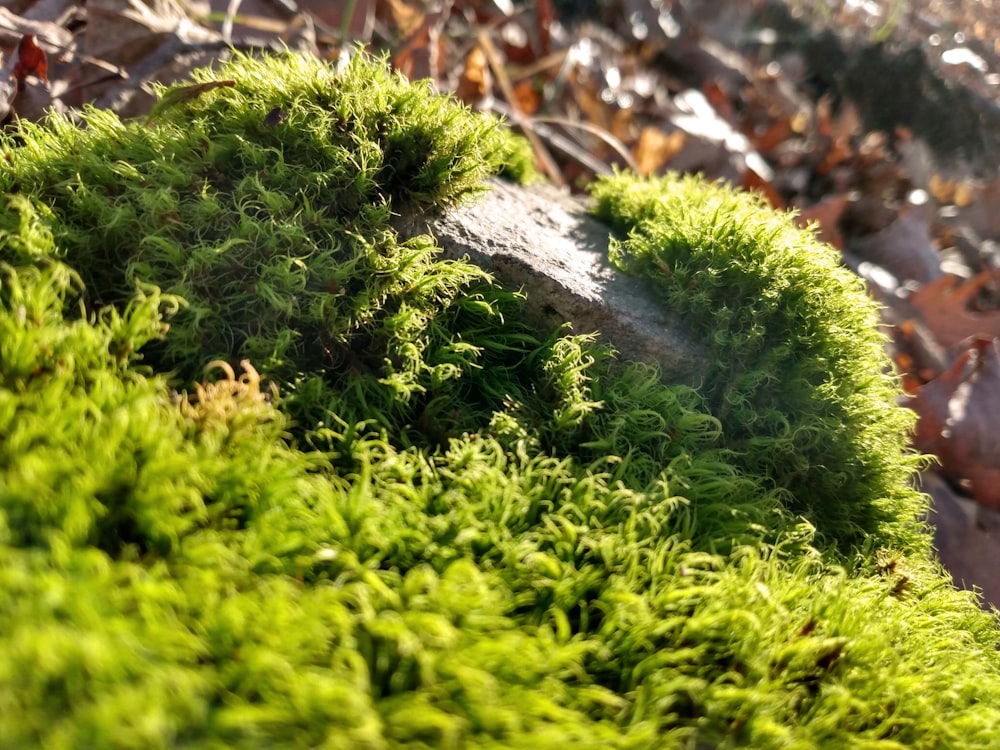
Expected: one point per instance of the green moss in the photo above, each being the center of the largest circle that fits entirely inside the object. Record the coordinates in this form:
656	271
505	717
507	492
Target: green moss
798	371
410	519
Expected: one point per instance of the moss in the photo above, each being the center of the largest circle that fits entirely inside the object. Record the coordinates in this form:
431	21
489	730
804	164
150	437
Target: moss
798	375
408	519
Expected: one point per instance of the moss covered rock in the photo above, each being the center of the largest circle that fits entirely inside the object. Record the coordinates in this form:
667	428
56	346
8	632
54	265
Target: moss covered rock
408	518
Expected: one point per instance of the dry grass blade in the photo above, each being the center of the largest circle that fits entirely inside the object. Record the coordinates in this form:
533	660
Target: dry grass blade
545	160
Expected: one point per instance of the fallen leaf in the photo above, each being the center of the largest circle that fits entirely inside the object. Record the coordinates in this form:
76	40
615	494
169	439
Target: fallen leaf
419	56
275	117
983	214
526	95
958	413
755	183
966	537
475	82
825	217
30	60
547	17
772	136
905	248
655	148
953	192
943	306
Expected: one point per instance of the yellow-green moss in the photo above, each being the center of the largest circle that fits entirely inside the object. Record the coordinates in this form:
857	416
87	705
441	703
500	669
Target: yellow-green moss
798	375
430	525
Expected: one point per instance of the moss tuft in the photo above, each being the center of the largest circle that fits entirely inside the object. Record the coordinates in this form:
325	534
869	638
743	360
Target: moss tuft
799	375
276	234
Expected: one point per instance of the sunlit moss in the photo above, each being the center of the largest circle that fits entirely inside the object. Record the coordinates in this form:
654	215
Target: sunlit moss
408	518
799	377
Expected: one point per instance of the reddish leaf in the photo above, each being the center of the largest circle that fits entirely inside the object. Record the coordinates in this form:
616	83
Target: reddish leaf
527	98
419	56
753	181
547	17
959	412
30	60
773	135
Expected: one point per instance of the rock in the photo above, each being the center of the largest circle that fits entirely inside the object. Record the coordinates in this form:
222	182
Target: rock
544	242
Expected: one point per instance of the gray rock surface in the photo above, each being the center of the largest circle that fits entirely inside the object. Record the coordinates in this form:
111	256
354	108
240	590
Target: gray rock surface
544	242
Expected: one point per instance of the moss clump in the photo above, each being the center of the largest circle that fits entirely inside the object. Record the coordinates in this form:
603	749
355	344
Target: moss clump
507	539
798	372
275	232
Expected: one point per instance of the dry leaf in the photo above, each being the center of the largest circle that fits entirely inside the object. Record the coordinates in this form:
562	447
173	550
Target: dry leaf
943	306
754	182
29	59
275	117
527	98
983	215
655	148
966	537
825	216
476	81
419	56
953	192
958	414
905	248
180	94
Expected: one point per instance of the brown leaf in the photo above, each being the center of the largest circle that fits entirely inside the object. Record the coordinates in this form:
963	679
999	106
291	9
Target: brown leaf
943	306
476	81
825	215
958	413
966	537
773	136
527	97
904	248
180	94
754	182
275	117
655	148
983	214
953	192
547	17
29	59
332	15
419	56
